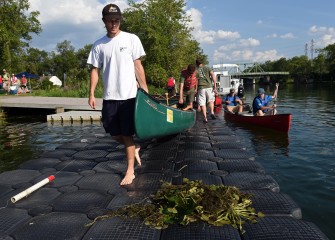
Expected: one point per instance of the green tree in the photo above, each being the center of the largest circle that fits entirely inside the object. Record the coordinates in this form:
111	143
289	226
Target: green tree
300	68
329	54
320	69
36	61
65	62
17	25
162	26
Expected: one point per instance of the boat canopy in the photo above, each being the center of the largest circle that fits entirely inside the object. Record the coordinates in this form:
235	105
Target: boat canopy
226	68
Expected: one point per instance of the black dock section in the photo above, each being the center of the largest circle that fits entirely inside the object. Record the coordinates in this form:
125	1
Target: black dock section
89	169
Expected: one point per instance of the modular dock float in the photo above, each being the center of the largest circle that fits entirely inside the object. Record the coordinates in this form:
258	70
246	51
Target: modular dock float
88	171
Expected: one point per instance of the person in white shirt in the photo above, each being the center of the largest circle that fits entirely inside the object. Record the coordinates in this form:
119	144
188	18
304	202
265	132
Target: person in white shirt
118	54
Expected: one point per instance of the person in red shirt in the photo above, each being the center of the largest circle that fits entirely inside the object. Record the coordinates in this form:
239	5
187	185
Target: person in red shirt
24	83
171	86
188	86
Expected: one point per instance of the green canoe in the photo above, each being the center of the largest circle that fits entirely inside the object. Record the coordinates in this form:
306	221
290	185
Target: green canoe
155	119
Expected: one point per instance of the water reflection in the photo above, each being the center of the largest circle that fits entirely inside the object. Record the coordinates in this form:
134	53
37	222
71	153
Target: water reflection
264	140
24	138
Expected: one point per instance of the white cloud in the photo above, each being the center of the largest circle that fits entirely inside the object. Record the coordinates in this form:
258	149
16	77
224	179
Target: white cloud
234	49
324	36
207	37
196	18
250	42
76	21
283	36
287	36
234	53
259	22
71	12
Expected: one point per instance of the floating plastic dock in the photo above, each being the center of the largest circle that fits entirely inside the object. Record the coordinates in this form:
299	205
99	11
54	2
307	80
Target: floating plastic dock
88	171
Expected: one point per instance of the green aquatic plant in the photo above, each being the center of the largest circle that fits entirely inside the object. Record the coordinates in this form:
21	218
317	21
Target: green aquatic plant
192	201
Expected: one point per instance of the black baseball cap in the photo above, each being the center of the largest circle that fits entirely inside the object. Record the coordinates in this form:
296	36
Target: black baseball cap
111	10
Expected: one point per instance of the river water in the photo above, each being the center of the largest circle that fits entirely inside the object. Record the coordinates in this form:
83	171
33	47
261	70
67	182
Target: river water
302	161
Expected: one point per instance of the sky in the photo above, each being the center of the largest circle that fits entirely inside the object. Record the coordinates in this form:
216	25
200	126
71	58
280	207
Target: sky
240	32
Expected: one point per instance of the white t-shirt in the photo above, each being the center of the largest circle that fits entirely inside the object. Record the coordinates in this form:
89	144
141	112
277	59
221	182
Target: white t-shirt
116	57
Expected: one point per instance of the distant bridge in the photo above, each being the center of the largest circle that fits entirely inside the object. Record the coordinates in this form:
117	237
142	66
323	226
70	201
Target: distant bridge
256	71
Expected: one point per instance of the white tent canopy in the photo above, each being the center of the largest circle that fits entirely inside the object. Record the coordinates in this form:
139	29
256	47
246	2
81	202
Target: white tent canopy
56	81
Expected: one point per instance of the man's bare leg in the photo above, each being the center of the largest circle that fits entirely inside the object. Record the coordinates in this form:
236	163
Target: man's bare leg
129	144
137	154
211	107
204	112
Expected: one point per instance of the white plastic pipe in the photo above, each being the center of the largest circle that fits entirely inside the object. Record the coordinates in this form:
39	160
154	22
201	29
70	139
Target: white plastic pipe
33	188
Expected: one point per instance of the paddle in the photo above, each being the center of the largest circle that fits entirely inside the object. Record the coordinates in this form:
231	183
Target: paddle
167	98
275	100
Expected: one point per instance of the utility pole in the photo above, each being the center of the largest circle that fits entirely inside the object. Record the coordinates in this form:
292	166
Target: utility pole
306	49
312	51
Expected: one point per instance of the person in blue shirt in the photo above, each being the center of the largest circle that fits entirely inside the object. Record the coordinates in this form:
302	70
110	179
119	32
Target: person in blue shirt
233	102
261	104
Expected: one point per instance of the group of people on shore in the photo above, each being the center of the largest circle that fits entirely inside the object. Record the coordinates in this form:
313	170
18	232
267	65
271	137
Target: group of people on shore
11	84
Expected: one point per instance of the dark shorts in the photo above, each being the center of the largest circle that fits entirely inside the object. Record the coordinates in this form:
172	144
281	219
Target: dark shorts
171	91
118	117
190	94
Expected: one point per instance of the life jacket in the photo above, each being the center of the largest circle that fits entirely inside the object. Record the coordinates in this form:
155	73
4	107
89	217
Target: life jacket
240	91
170	82
190	80
218	101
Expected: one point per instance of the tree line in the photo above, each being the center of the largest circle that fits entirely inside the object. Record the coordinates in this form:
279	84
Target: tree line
165	35
301	68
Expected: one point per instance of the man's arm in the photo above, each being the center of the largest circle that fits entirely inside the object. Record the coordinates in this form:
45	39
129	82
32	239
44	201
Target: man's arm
94	76
275	91
140	74
181	92
238	100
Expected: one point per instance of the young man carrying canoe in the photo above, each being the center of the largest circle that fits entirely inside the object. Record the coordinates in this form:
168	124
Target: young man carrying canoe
118	54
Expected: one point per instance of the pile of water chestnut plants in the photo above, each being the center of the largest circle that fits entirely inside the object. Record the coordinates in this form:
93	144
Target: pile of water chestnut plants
189	202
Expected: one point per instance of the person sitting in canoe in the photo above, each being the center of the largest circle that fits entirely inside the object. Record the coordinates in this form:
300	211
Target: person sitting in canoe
233	102
260	105
188	86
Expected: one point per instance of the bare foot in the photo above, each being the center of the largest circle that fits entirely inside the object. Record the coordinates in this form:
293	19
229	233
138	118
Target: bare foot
137	154
128	179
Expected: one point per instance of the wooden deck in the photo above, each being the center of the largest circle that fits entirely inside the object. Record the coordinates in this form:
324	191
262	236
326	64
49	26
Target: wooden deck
66	109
